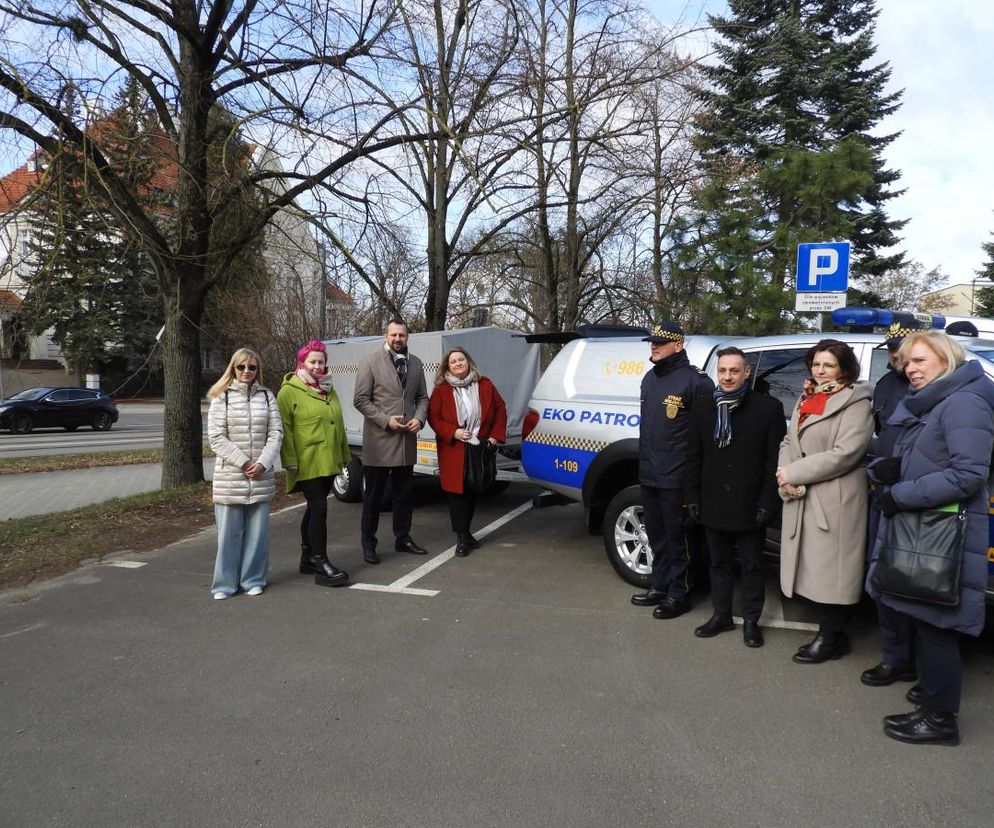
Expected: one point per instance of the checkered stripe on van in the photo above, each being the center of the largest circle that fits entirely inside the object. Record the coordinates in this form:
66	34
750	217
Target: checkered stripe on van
343	369
562	441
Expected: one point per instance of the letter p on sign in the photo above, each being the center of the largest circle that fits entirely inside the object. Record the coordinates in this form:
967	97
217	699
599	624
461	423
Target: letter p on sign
821	263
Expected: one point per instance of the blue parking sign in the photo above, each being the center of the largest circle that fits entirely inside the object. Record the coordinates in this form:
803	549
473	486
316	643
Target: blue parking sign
823	267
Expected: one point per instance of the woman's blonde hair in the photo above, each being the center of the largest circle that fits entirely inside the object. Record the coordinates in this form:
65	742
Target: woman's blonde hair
238	357
443	366
946	349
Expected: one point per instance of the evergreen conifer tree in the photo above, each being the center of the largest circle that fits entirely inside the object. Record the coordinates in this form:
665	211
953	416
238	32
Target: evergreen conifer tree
983	303
789	146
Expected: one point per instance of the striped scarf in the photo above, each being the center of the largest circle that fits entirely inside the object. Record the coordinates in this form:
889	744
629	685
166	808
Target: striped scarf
725	404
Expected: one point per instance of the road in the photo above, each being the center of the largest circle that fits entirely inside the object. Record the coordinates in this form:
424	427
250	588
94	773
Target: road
140	426
514	687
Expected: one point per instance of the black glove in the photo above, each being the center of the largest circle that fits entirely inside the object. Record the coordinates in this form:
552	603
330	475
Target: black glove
887	505
762	516
887	470
695	512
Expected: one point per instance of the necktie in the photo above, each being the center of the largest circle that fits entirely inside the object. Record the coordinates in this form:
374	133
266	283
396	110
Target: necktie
402	370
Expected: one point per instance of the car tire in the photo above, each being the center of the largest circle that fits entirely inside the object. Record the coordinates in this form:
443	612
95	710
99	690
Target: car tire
103	421
21	423
347	485
624	538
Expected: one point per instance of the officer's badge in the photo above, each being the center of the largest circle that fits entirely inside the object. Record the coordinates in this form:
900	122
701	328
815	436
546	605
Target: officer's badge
673	403
671	411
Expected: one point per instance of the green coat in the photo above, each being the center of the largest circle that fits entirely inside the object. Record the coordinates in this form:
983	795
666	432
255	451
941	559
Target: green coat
313	432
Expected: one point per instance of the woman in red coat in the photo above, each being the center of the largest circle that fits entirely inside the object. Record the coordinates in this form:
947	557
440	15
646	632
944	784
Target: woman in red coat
464	408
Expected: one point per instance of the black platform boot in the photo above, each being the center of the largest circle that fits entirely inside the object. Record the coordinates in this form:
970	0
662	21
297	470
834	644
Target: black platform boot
327	574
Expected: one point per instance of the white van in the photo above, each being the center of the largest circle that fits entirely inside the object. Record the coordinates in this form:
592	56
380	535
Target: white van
502	355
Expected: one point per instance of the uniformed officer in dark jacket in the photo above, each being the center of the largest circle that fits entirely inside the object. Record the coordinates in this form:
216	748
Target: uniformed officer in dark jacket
732	453
897	658
670	390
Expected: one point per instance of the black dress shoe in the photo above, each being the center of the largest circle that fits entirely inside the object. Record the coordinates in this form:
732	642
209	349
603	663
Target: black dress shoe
473	542
672	608
901	719
915	695
883	675
713	626
411	547
824	647
370	556
929	728
651	598
328	575
462	549
752	635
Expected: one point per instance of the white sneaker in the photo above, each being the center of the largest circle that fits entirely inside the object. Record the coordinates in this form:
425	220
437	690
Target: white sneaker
220	596
255	591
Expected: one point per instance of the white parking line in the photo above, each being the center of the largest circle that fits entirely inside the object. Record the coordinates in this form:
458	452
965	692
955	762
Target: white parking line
402	586
125	564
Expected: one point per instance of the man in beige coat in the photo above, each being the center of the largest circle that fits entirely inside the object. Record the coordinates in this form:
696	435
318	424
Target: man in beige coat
392	396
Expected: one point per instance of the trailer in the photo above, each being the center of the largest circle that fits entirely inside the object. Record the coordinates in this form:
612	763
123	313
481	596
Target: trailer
502	355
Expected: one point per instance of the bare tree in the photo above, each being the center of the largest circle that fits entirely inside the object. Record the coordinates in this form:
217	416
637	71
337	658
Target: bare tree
298	76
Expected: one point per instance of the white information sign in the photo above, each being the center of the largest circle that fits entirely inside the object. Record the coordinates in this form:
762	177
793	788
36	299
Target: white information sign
819	301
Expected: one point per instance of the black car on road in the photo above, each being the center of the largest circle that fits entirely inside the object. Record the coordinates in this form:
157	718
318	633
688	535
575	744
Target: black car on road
48	407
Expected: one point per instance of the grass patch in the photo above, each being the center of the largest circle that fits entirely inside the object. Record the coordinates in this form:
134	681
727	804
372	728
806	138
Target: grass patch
68	462
43	546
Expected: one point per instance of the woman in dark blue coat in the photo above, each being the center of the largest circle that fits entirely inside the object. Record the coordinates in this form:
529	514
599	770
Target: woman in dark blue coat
943	456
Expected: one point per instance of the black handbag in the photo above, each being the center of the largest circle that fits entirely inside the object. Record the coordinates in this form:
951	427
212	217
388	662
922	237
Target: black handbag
479	467
921	556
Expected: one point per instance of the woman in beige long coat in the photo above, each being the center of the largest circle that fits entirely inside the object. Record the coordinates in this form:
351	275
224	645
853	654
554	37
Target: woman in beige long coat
823	485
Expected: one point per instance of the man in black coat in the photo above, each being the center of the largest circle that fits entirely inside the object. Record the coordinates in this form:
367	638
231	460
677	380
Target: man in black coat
731	488
670	392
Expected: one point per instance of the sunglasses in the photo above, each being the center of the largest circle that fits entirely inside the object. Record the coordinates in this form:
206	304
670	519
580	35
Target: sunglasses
244	367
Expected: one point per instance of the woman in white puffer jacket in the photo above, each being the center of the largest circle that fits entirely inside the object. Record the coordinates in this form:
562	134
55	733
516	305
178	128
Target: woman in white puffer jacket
245	431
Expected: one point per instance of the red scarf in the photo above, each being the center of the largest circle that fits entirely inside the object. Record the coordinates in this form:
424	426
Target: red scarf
307	378
814	399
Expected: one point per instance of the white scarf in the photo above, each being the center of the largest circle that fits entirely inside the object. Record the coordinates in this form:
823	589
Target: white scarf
467	394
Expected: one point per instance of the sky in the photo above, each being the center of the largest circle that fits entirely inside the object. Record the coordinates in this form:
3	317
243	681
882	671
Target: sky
940	55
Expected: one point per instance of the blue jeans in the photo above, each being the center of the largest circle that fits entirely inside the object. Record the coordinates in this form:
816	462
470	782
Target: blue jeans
242	547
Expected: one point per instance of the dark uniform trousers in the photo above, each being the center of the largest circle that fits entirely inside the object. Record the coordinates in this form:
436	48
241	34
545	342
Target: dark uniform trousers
723	546
940	669
663	515
461	510
375	480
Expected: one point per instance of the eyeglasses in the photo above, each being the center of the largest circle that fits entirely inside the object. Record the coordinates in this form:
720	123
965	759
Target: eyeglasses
244	367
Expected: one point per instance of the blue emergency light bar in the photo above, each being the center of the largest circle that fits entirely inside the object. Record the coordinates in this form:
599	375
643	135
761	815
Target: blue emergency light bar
882	318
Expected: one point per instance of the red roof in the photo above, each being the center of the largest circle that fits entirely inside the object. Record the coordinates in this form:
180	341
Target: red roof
16	185
336	294
9	300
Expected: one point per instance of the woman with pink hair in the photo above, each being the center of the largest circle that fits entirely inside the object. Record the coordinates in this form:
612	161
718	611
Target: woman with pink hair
314	450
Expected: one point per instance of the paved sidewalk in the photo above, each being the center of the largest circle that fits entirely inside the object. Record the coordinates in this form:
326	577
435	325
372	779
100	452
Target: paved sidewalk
42	493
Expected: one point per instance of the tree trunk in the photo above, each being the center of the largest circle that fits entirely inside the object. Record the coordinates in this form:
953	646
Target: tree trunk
182	457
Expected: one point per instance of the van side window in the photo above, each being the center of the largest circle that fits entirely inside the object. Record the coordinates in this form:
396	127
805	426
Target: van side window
784	372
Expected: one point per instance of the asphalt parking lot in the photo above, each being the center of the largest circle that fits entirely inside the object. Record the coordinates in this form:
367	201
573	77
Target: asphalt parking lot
517	686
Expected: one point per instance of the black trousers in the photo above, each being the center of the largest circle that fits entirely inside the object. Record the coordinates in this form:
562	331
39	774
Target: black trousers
461	509
723	546
940	669
314	524
375	479
663	515
832	618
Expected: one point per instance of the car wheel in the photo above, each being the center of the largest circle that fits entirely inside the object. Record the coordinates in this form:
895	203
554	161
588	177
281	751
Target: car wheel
70	427
102	422
21	423
625	540
347	485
